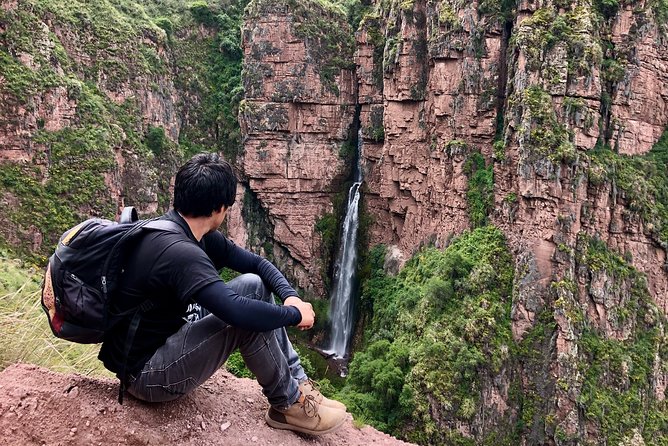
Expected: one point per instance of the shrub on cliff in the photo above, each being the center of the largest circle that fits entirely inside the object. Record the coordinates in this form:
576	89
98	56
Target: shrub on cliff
622	360
480	193
202	13
439	328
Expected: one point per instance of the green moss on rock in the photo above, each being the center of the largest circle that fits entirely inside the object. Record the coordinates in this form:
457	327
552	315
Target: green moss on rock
544	135
547	28
642	182
480	193
618	392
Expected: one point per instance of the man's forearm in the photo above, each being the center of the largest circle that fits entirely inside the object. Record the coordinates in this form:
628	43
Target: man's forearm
249	314
275	280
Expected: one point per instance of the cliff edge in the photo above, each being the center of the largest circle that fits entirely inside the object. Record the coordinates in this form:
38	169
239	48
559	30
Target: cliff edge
41	407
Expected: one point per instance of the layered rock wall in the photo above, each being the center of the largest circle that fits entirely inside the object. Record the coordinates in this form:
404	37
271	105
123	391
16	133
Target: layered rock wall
549	83
438	99
553	95
459	104
77	101
295	121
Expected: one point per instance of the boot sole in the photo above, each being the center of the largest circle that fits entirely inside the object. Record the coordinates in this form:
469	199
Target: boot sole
291	427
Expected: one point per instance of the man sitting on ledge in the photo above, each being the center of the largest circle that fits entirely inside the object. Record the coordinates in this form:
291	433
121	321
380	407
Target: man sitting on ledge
197	320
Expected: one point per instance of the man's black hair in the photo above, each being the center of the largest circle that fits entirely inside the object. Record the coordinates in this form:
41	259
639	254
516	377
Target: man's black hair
204	184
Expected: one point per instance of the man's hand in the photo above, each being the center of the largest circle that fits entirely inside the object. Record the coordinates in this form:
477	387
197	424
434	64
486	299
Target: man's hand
306	310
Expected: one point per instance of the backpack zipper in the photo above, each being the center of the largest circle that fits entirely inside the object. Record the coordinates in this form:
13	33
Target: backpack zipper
76	279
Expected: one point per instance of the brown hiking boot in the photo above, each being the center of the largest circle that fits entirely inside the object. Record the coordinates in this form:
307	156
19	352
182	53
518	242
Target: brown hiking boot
306	416
310	388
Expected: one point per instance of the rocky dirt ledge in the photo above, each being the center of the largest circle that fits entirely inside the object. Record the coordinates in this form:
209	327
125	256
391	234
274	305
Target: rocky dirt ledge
40	407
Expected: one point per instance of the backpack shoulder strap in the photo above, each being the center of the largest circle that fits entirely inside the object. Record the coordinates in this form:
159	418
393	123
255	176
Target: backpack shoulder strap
162	225
156	224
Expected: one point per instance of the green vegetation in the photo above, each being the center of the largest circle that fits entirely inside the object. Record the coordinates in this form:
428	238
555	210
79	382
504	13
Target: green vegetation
533	353
222	90
547	29
21	81
156	140
480	193
121	46
437	329
68	177
347	153
376	129
202	13
617	391
25	335
235	364
504	10
374	27
113	27
75	186
607	8
256	217
660	9
642	180
547	137
447	17
327	227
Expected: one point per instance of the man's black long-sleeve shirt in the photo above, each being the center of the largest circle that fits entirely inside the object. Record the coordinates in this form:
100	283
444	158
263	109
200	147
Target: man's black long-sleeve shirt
173	270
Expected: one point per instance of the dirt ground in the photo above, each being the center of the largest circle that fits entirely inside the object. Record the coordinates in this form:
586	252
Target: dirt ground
40	407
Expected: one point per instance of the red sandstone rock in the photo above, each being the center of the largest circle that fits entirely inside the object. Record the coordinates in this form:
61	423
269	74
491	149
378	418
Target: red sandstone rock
295	126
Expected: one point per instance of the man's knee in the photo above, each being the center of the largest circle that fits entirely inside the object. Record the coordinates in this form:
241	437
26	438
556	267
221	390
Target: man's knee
250	282
252	286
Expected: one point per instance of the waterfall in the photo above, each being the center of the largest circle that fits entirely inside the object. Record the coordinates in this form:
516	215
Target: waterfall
341	307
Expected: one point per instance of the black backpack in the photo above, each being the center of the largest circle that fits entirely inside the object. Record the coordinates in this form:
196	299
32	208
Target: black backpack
83	274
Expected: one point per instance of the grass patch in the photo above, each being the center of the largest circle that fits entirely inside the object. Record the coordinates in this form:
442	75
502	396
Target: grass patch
25	335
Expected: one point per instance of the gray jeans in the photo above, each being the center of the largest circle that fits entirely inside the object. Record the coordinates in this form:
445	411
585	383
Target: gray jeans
194	353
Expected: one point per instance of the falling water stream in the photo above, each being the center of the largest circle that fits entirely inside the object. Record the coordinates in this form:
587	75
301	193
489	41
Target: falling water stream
341	307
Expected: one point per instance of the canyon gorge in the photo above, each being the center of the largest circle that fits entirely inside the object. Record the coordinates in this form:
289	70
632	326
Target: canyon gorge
544	119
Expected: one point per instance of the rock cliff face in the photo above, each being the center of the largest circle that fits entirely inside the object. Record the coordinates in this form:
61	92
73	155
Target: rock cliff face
553	95
297	115
432	99
93	99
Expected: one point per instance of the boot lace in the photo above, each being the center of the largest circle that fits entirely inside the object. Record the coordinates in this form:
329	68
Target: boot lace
310	406
312	388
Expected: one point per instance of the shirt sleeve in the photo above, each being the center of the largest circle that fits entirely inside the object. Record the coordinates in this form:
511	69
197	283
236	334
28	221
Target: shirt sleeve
249	314
224	253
